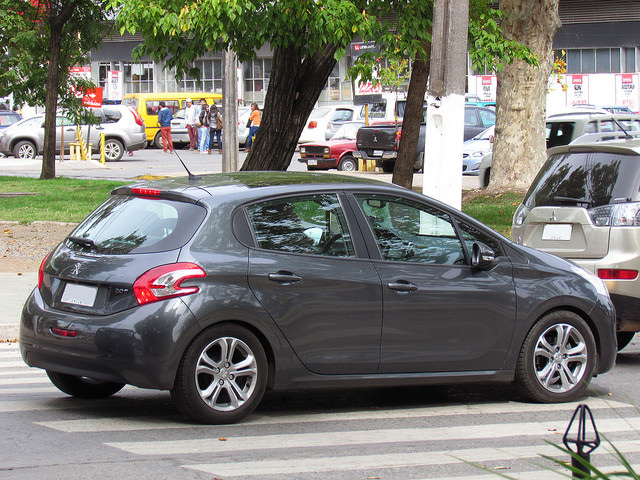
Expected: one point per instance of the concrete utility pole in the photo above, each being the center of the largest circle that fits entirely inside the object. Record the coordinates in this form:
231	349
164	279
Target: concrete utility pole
445	97
230	111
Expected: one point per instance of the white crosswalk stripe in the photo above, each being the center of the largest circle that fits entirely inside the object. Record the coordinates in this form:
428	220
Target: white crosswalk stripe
424	443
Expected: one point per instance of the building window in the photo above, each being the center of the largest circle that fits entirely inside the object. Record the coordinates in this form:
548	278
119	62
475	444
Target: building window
210	78
599	60
256	79
138	77
630	60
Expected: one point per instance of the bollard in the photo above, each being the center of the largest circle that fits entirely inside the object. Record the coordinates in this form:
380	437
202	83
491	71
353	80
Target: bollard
581	441
102	140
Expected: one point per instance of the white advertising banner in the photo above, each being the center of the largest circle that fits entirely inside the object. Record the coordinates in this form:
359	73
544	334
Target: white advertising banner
115	85
486	86
627	91
577	90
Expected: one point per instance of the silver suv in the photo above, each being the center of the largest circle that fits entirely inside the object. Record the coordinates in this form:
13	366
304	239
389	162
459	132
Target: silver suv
584	205
123	127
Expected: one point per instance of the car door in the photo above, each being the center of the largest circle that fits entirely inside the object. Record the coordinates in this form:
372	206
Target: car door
439	313
305	272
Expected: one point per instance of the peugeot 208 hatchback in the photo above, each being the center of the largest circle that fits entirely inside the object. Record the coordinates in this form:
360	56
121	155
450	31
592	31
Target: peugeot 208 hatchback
219	288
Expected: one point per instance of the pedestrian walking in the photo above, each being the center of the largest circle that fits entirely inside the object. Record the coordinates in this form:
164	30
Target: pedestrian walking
254	125
164	119
215	127
191	118
203	121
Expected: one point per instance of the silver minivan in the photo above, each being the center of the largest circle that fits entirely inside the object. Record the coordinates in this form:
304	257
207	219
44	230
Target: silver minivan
584	205
123	127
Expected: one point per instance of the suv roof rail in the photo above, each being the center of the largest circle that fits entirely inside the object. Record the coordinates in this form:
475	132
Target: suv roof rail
617	136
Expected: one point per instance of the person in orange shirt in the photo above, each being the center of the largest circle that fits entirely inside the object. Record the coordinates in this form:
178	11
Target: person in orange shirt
254	120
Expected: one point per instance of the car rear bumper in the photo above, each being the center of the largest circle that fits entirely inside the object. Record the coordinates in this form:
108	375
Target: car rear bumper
141	346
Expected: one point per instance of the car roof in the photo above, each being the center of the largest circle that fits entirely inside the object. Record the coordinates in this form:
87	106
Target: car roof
247	185
624	147
588	115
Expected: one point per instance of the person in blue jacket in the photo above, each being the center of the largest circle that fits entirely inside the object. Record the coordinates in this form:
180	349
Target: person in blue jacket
164	119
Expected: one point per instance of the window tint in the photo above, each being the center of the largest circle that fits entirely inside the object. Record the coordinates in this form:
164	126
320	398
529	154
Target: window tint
312	225
559	133
470	119
409	232
587	179
127	224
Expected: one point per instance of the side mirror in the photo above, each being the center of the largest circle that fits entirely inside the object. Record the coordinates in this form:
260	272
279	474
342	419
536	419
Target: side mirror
481	256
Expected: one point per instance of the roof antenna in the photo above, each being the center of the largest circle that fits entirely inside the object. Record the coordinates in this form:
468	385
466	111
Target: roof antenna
191	175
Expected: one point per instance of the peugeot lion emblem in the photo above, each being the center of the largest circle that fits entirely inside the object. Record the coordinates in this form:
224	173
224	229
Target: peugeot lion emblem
75	270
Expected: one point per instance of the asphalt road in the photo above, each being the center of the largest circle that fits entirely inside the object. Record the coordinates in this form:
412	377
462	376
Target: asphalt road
150	162
384	433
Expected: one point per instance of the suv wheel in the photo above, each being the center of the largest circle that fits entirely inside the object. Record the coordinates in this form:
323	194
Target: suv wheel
113	150
557	359
222	375
25	150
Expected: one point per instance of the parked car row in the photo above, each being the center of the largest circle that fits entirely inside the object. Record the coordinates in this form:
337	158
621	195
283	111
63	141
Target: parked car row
122	126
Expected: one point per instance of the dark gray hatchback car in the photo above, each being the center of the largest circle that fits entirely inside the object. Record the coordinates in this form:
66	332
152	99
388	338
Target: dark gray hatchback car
221	287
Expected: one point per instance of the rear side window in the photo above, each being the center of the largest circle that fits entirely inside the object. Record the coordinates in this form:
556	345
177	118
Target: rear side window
6	120
111	115
586	179
559	133
153	106
127	224
312	225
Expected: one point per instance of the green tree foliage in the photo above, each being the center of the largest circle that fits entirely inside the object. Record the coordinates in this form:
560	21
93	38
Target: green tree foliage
41	40
306	37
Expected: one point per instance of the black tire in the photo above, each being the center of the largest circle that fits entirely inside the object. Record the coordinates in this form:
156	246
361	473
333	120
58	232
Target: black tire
624	338
546	357
348	164
487	177
193	391
157	140
82	387
113	150
387	167
25	150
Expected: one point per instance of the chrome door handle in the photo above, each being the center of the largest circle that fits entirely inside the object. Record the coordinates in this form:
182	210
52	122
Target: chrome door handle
284	277
402	286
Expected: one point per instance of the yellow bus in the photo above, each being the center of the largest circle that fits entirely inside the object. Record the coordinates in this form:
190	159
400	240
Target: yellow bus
148	104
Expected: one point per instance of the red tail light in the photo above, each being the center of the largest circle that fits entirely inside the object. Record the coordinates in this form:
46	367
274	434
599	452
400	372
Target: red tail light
616	274
312	124
165	281
397	138
41	271
137	116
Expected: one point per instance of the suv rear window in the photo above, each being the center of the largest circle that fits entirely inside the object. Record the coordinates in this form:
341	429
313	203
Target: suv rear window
586	179
128	224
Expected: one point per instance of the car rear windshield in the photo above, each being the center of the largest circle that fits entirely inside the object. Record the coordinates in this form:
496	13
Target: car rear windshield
128	224
585	179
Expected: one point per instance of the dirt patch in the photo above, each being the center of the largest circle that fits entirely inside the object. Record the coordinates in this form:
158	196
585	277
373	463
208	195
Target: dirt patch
22	247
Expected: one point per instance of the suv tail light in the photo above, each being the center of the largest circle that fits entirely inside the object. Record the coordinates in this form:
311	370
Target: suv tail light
617	215
312	124
617	274
137	116
165	281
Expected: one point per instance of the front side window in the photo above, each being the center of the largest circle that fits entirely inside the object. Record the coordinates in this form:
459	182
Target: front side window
409	232
313	225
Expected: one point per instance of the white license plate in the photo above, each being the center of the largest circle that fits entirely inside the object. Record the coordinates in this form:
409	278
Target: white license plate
377	153
84	295
557	232
312	162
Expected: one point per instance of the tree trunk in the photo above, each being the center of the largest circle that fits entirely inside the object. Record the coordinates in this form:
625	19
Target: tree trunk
403	169
51	103
520	146
294	89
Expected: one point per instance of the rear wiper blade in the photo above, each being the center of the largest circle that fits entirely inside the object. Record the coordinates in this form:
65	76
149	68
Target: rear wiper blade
84	242
572	200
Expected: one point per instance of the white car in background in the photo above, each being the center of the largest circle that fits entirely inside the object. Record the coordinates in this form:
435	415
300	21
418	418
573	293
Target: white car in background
475	148
319	124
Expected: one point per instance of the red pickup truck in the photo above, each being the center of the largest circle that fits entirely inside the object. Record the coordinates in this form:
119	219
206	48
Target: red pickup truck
334	153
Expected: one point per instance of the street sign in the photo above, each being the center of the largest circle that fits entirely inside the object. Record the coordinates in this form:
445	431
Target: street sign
92	97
